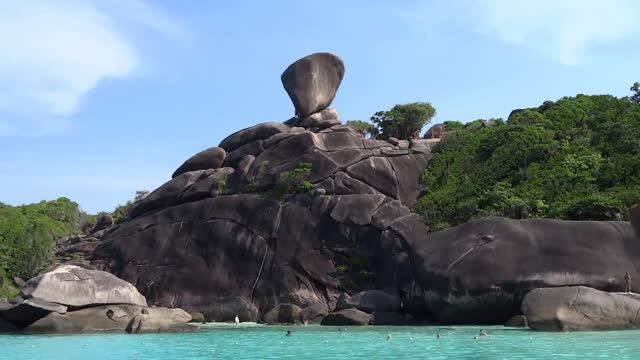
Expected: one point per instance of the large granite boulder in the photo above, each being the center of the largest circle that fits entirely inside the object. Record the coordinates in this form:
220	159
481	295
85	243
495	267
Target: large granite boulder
258	132
26	311
103	222
437	131
312	82
314	313
114	318
371	301
347	317
283	314
73	286
478	272
211	158
580	308
517	321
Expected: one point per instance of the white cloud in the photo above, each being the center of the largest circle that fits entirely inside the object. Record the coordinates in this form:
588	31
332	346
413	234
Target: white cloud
568	31
54	52
565	29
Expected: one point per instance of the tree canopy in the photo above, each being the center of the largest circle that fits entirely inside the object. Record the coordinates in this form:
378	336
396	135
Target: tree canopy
367	129
403	121
575	158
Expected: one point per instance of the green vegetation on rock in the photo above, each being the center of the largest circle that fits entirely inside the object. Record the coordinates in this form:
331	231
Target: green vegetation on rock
575	158
403	120
28	234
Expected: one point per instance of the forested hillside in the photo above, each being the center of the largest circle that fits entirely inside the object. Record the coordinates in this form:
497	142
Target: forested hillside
576	158
28	234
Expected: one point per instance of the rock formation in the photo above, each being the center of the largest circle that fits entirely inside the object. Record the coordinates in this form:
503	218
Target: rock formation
73	299
283	221
580	308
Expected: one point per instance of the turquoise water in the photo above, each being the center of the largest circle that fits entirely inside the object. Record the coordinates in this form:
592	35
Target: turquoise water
316	342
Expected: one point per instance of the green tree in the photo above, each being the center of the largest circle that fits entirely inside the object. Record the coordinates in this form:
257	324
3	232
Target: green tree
635	88
403	121
575	158
367	129
119	214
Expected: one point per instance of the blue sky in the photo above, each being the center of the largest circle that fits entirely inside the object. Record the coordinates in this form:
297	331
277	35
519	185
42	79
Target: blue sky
101	98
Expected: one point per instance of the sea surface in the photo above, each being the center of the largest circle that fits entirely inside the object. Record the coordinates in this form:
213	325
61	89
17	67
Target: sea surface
247	341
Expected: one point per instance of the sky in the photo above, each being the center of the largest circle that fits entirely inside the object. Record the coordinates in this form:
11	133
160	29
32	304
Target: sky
100	98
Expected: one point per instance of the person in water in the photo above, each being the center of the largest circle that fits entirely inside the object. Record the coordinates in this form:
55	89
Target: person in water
438	335
627	283
237	320
288	333
482	333
388	336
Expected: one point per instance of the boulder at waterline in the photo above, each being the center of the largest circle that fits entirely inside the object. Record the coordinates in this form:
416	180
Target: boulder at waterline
26	311
283	314
312	82
114	318
517	321
575	308
314	313
347	317
211	158
478	272
78	287
371	301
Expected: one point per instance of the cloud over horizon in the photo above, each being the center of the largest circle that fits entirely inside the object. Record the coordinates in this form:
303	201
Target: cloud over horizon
53	53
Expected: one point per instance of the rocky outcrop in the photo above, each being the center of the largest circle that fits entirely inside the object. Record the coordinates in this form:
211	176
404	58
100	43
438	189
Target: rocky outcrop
517	321
312	82
72	299
261	242
211	158
283	314
371	301
347	317
74	286
580	308
314	313
114	318
480	271
437	131
103	222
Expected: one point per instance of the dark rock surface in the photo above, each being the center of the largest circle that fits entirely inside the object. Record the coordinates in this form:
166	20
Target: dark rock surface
114	318
371	301
245	250
312	82
26	311
391	318
517	321
103	222
211	158
634	213
283	314
347	317
580	308
479	272
314	313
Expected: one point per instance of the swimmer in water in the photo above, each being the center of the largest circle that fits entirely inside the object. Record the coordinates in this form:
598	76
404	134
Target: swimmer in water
288	333
438	335
237	320
482	333
388	337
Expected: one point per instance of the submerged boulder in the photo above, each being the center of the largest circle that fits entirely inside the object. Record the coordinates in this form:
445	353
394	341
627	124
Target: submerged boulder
74	286
580	308
312	82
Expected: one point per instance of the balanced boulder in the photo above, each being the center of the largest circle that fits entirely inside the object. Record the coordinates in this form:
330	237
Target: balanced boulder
211	158
74	286
312	82
574	308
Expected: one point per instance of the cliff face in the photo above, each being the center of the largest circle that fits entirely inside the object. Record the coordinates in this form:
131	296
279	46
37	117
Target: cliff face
303	211
223	241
